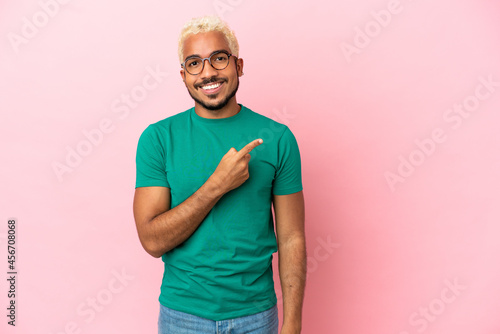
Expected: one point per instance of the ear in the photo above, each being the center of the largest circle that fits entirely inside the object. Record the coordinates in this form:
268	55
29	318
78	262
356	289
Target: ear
239	66
183	75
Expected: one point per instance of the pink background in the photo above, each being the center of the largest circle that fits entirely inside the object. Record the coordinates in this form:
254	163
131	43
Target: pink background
418	254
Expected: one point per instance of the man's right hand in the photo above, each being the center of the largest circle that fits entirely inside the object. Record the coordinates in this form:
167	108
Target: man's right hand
232	170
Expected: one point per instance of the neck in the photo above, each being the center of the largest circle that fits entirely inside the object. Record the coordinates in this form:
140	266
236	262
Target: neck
230	109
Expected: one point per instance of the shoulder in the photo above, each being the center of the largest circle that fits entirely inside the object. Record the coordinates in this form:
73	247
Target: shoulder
267	123
166	124
171	120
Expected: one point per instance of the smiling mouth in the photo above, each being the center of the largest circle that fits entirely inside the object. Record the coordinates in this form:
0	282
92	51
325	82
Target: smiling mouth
211	86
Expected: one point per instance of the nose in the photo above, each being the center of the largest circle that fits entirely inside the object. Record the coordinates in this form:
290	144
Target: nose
208	70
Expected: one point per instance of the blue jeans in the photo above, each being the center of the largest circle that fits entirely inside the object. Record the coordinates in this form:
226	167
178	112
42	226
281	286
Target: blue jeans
176	322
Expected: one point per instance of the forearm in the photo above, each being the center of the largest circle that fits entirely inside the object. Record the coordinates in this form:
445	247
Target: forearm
293	271
169	229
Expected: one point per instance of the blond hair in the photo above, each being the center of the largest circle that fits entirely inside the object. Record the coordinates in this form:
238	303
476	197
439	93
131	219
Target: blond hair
206	24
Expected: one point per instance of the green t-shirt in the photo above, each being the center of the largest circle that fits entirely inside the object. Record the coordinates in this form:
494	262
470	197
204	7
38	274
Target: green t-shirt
224	269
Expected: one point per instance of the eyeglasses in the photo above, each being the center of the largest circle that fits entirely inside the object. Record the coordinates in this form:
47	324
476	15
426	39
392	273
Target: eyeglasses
219	60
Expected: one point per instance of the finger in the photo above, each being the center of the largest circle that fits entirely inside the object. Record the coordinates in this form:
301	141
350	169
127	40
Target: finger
249	147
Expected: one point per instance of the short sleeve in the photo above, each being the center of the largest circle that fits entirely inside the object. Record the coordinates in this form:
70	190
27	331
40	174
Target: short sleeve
288	177
150	160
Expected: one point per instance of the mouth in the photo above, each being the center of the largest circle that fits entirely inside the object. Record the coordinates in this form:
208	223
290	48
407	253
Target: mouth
211	88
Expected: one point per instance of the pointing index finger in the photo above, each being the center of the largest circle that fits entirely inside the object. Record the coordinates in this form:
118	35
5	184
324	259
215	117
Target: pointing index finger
250	146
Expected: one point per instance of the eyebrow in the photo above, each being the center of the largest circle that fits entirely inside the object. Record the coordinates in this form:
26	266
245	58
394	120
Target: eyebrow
197	55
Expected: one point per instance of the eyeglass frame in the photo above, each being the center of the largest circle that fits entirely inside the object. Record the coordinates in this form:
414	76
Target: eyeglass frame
209	61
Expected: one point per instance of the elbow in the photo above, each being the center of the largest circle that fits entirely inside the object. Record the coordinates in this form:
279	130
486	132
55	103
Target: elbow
154	253
294	241
152	244
152	249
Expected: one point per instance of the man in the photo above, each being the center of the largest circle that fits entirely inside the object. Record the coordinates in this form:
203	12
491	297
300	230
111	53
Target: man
203	203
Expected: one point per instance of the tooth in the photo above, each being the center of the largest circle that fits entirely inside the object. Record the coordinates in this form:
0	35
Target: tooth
212	86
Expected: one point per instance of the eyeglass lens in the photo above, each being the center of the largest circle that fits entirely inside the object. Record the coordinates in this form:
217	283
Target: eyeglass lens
219	61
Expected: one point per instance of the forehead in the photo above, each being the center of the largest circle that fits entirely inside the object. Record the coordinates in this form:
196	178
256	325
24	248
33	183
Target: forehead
204	44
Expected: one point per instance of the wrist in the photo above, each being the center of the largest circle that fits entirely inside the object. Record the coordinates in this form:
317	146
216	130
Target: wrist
214	187
291	327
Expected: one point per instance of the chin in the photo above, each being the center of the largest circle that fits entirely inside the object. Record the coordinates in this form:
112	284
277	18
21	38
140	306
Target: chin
214	105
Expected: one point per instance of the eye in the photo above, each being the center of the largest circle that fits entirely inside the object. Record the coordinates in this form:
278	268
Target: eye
220	58
192	63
